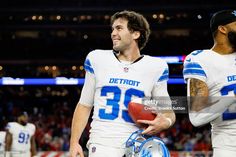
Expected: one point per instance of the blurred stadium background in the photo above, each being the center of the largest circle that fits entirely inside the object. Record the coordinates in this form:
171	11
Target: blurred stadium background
50	39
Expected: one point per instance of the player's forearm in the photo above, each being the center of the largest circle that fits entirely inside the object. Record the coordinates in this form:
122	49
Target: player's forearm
202	109
33	146
210	113
199	119
79	121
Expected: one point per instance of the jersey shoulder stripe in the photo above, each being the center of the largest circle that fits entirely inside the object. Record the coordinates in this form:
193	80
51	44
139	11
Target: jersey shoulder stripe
94	57
194	65
161	67
88	67
193	68
164	76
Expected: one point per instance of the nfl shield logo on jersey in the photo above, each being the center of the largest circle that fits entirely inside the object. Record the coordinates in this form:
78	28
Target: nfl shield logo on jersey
126	69
93	149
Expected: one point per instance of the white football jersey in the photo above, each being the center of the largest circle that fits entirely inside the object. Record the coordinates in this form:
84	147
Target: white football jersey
115	85
219	73
2	141
21	136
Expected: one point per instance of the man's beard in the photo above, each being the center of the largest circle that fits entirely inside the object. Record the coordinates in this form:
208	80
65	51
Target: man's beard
23	123
232	39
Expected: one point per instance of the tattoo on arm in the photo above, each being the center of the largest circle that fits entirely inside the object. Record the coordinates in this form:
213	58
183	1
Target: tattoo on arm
198	95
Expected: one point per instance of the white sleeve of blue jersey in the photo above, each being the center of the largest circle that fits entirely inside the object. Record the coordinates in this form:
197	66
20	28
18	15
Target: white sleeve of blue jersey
212	112
159	90
164	74
209	114
160	86
33	128
161	94
10	126
88	91
193	68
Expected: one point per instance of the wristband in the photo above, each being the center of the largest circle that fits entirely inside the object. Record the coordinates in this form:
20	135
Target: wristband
170	121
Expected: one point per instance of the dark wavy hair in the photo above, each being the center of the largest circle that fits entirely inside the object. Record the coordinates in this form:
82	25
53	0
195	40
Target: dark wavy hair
136	22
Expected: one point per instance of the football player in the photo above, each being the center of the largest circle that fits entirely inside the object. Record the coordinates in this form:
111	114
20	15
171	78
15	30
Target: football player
114	78
211	78
20	141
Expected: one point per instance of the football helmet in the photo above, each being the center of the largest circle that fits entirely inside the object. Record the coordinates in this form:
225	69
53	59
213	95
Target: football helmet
139	145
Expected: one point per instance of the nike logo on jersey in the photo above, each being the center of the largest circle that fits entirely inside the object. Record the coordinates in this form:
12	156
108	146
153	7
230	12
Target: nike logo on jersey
124	81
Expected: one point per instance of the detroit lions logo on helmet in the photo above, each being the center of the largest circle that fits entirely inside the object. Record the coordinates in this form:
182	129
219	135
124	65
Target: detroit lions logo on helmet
139	145
146	153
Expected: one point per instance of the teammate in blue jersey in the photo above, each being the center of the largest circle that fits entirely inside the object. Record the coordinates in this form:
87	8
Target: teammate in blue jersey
113	79
211	78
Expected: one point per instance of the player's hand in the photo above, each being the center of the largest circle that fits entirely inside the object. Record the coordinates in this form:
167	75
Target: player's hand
76	150
155	126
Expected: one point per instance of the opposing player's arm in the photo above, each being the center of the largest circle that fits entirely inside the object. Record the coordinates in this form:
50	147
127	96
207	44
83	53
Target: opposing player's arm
33	146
